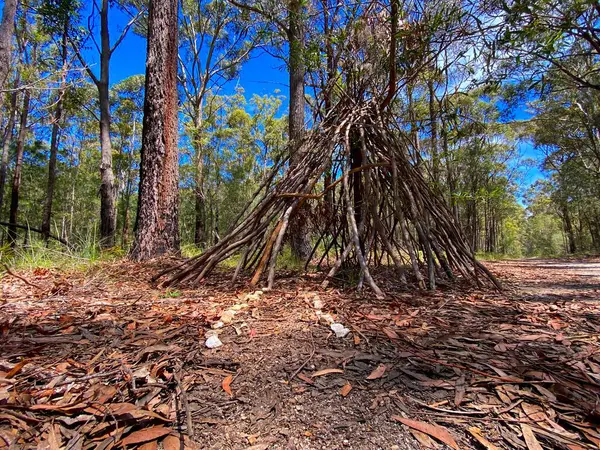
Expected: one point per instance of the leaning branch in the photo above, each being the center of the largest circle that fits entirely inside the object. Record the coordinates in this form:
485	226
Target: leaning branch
36	230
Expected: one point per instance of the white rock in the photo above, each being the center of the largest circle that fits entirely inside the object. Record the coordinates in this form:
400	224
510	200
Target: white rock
340	330
227	316
217	325
213	342
325	317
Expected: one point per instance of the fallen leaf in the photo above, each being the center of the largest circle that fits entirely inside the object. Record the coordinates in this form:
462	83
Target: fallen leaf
530	439
145	435
356	339
345	389
62	408
305	378
152	445
556	324
15	370
171	442
533	337
476	433
320	373
227	384
436	431
390	333
501	347
54	440
377	373
424	440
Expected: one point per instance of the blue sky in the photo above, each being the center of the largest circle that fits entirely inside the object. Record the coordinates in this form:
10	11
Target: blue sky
263	74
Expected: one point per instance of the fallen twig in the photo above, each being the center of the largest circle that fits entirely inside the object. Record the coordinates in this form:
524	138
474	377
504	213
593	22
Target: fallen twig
23	279
305	362
185	404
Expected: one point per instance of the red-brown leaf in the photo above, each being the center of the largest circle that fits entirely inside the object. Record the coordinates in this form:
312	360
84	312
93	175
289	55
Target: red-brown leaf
15	370
377	373
145	435
440	433
171	442
227	384
345	389
320	373
390	333
305	378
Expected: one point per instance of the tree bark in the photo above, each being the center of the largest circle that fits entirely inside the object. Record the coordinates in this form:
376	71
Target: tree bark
16	183
6	141
7	29
299	229
54	139
157	223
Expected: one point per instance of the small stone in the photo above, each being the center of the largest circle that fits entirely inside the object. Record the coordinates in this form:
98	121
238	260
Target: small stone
213	342
326	318
227	316
340	330
217	325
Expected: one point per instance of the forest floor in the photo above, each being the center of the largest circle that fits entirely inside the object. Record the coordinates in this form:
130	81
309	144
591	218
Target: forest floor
103	358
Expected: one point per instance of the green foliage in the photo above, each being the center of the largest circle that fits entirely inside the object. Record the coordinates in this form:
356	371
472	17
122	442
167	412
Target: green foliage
454	110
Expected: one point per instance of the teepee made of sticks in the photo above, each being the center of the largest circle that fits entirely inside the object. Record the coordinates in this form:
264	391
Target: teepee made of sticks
397	211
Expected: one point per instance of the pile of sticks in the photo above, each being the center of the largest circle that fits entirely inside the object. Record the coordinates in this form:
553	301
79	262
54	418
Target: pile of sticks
382	207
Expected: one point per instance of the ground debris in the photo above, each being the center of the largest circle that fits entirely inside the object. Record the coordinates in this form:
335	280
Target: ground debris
113	361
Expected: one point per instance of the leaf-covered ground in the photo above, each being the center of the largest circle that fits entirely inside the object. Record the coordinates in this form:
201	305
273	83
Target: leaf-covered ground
104	359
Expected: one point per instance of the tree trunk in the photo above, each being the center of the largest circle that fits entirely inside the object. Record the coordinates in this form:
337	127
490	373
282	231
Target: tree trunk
414	130
108	215
299	230
435	157
356	161
569	229
6	141
128	187
7	28
200	207
157	223
16	184
54	140
450	171
200	200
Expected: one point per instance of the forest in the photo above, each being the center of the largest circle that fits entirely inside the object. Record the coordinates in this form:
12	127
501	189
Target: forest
225	219
478	85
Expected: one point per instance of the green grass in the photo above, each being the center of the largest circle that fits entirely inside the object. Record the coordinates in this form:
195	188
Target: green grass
37	255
